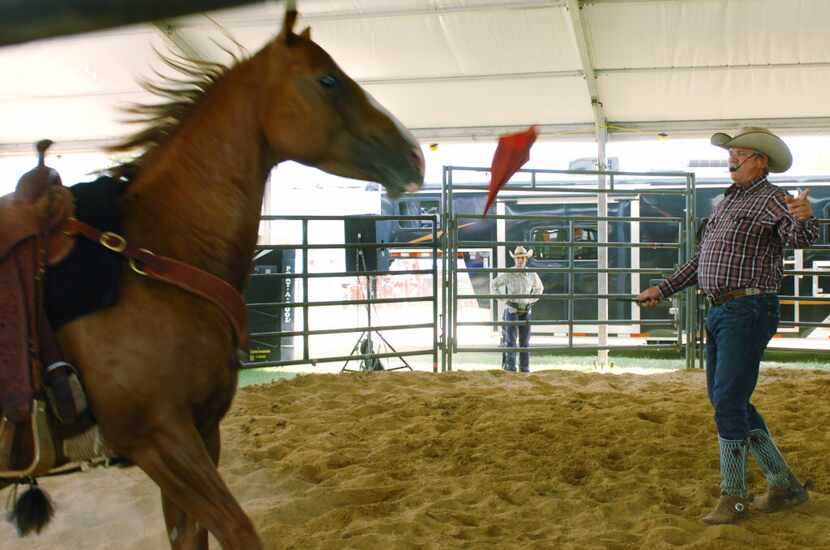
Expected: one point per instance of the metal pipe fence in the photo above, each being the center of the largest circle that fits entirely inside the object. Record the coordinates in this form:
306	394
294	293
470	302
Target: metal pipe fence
269	341
546	195
623	240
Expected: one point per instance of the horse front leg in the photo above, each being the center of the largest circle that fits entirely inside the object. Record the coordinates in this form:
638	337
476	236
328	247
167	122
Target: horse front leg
194	497
183	532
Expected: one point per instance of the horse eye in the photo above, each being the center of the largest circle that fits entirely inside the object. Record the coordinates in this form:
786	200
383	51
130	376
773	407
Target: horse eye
328	81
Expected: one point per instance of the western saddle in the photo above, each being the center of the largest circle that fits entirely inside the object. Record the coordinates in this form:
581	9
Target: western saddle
42	401
31	241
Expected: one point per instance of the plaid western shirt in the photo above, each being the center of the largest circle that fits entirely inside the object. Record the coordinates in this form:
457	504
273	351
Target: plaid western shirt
743	243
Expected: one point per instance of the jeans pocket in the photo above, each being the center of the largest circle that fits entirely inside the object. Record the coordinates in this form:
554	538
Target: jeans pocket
746	307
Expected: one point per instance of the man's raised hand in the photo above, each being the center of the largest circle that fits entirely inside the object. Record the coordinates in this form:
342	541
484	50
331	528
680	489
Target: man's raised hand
799	206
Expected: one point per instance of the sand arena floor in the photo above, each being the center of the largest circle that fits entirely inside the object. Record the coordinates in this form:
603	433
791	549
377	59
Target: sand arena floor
556	460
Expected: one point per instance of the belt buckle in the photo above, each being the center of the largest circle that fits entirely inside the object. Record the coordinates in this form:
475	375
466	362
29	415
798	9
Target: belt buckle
717	300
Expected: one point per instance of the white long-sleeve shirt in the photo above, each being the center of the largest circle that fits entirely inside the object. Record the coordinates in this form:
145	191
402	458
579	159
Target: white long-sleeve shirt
518	282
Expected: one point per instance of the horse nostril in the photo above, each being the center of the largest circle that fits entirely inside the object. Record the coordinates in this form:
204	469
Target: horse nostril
417	159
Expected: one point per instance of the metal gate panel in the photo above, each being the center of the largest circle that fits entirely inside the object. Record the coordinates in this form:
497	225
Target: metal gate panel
541	185
300	301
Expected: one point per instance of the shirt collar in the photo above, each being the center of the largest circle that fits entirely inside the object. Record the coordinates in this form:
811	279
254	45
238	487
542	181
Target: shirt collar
741	190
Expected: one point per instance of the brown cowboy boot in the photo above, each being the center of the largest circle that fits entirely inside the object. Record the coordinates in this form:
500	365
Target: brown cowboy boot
779	497
729	509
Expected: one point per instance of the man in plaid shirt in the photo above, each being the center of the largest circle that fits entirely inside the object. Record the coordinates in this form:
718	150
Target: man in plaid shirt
739	266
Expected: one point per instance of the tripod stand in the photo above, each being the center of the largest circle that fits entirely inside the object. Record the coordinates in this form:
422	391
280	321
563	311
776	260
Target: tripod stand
364	345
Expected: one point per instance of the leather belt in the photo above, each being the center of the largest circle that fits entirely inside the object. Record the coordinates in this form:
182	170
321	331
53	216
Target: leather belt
732	294
519	307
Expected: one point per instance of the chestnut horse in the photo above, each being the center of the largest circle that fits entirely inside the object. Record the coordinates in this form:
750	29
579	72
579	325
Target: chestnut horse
158	367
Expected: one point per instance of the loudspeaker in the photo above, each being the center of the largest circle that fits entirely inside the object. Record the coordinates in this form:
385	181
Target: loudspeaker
265	287
360	229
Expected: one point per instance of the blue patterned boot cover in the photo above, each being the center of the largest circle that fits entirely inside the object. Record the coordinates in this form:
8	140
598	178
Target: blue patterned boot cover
769	458
733	467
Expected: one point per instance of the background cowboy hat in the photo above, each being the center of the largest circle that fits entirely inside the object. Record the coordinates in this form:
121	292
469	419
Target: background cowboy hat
521	252
761	140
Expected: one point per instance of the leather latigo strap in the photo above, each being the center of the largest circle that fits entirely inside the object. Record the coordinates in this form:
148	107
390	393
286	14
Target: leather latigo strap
174	272
16	389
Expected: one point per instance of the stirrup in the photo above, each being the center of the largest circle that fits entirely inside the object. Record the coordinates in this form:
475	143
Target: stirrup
44	454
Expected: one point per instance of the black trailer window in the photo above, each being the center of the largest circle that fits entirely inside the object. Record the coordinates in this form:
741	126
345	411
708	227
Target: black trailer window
544	237
429	208
584	234
825	228
418	208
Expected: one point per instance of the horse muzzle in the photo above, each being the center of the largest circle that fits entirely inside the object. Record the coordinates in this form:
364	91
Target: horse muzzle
397	171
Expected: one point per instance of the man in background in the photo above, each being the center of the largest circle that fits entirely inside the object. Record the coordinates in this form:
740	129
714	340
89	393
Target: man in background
514	284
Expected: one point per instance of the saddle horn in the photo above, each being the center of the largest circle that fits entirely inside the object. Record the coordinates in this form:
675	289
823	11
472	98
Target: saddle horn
34	183
41	147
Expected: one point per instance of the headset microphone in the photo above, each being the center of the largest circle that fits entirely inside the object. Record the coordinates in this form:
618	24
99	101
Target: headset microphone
738	167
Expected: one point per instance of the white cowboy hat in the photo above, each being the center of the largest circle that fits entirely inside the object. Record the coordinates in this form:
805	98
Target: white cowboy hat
521	252
761	140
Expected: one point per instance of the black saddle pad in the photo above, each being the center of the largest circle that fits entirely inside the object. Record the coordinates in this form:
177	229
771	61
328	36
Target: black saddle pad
88	280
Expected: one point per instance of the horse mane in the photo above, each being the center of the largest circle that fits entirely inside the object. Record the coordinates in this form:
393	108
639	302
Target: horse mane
183	95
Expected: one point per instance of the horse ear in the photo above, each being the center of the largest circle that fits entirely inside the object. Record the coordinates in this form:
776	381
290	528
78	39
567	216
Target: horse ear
306	33
288	21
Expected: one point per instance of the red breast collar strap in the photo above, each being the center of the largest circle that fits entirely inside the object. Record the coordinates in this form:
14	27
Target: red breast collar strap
174	272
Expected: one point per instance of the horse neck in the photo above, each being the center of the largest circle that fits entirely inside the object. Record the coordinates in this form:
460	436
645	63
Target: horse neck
198	197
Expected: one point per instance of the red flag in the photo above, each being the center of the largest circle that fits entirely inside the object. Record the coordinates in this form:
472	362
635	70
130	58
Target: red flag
511	154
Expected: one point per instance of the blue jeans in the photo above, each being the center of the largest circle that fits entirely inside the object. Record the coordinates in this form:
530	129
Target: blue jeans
737	334
508	339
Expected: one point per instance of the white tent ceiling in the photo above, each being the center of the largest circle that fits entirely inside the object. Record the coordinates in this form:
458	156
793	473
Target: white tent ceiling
461	69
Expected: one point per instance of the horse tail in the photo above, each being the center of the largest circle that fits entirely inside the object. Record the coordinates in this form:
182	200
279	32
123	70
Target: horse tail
32	511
